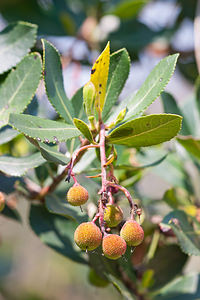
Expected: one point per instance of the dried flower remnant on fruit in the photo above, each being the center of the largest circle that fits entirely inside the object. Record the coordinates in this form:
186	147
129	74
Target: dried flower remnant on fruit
88	236
77	195
114	246
113	215
132	233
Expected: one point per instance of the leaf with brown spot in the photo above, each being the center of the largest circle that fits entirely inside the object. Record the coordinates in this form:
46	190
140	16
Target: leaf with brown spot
99	77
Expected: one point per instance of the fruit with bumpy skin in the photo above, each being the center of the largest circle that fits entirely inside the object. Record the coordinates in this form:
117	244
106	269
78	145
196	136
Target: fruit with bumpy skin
2	201
77	195
132	233
114	246
113	215
87	236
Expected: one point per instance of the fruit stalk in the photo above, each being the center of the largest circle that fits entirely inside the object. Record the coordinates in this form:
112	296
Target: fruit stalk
126	193
75	156
56	181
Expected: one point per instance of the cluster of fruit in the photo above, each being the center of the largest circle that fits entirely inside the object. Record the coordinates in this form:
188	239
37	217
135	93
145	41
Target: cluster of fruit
88	235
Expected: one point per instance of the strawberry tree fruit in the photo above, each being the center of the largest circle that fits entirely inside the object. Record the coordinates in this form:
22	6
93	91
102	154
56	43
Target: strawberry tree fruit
77	195
113	215
114	246
132	233
88	236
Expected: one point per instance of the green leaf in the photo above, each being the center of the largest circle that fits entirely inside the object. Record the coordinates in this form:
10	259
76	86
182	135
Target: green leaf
77	102
128	9
16	40
53	79
43	129
191	115
176	197
146	131
121	288
171	107
59	206
55	231
176	259
7	134
191	144
84	129
186	287
118	74
109	269
50	153
150	89
188	239
19	87
19	166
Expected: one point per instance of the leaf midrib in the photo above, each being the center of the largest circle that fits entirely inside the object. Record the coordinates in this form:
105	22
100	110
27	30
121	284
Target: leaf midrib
15	43
55	82
144	132
20	163
19	86
46	129
189	240
139	102
62	102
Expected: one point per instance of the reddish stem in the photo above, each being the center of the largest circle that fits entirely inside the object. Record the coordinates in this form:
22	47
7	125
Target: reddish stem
74	178
126	193
95	218
75	156
111	198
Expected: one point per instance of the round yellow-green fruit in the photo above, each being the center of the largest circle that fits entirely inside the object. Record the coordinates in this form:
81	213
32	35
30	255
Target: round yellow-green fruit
114	246
132	233
87	236
113	215
77	195
97	280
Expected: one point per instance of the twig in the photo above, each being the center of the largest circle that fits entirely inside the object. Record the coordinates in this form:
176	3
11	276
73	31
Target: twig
103	190
126	193
50	188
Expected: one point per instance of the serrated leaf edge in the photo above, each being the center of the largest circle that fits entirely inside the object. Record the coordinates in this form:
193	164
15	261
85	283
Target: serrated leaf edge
180	117
22	174
180	245
113	77
43	67
142	110
33	94
28	50
42	140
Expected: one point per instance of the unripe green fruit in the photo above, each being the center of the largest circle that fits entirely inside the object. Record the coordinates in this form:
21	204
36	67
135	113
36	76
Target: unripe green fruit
113	215
2	201
87	236
77	195
132	233
114	246
97	280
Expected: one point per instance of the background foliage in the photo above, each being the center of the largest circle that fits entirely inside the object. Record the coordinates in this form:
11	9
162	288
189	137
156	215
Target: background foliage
164	179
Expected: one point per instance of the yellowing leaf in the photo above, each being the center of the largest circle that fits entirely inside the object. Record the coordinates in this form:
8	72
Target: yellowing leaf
99	77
